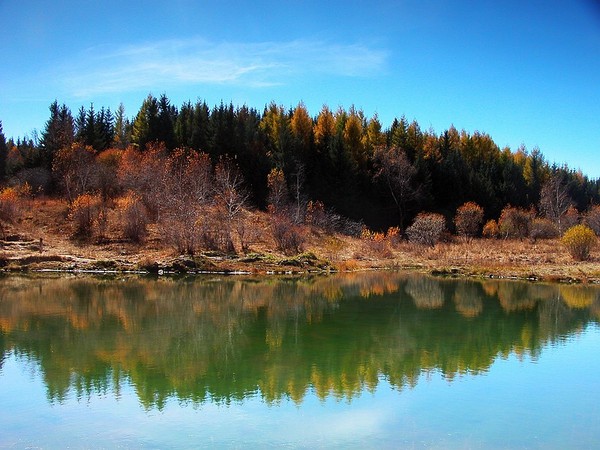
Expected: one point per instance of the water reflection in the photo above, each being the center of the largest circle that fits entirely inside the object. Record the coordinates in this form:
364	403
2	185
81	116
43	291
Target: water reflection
223	340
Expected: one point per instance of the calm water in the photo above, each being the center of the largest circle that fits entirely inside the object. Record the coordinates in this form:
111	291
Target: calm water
376	360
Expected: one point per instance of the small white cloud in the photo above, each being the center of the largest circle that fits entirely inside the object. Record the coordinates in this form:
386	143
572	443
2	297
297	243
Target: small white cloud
197	61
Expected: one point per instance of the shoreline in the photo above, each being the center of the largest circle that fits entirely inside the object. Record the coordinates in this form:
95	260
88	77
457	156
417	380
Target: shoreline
41	241
305	264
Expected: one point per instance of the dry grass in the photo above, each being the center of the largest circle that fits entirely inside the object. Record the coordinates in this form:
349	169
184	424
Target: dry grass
48	219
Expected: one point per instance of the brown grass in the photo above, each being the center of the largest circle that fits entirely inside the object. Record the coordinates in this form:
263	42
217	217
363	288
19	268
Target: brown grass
48	219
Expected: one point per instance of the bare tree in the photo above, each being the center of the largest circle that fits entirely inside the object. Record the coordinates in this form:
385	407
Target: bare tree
555	200
230	192
397	173
187	191
298	179
231	198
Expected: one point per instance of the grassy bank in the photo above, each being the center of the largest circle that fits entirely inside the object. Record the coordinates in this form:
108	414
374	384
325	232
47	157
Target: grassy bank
46	222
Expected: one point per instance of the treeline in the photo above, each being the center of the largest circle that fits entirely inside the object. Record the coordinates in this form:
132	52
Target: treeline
349	162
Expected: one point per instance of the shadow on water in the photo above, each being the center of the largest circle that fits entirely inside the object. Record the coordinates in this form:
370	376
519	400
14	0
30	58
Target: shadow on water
225	339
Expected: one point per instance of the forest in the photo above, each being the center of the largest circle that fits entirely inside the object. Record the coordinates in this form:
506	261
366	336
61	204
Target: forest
341	168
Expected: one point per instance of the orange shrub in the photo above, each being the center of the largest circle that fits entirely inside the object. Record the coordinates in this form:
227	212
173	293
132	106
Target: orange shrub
468	219
85	212
490	229
134	217
9	204
515	222
287	236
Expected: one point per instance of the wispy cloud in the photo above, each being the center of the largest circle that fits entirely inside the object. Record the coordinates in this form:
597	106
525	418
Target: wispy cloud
196	61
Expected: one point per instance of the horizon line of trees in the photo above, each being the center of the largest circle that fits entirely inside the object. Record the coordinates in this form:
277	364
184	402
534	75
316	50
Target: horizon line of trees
346	161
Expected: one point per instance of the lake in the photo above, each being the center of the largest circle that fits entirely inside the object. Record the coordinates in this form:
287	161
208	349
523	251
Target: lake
366	360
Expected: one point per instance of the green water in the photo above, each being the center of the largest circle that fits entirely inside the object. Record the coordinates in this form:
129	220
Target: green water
374	360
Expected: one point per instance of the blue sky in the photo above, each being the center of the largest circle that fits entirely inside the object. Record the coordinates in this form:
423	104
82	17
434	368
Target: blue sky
526	72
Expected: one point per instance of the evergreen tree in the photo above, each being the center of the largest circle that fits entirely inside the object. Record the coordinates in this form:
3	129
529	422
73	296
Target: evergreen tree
80	122
122	134
105	130
167	116
3	153
59	132
145	125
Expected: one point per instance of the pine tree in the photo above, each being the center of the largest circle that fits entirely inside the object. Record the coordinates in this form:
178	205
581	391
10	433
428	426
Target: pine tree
3	153
121	136
145	125
167	115
59	132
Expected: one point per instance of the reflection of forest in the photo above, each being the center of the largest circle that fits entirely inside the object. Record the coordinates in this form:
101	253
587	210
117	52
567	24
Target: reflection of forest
224	339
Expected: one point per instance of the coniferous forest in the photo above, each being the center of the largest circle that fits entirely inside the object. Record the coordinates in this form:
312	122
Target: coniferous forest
353	166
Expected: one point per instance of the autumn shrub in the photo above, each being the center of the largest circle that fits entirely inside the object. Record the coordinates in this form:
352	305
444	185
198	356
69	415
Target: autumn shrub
468	219
427	229
592	218
579	240
183	237
543	228
247	228
134	217
287	235
213	232
107	164
84	213
375	242
144	173
10	205
393	236
515	222
490	229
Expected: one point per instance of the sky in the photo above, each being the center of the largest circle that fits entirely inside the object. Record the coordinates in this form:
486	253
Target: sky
526	72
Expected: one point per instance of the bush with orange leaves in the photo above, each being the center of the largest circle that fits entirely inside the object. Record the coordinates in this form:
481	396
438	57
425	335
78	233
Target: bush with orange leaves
468	219
375	242
490	229
9	204
144	173
515	222
134	217
286	233
87	212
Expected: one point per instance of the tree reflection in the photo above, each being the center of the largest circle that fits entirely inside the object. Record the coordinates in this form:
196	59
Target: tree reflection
223	340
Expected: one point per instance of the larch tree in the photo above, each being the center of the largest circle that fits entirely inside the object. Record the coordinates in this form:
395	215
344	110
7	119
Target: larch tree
325	128
302	128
